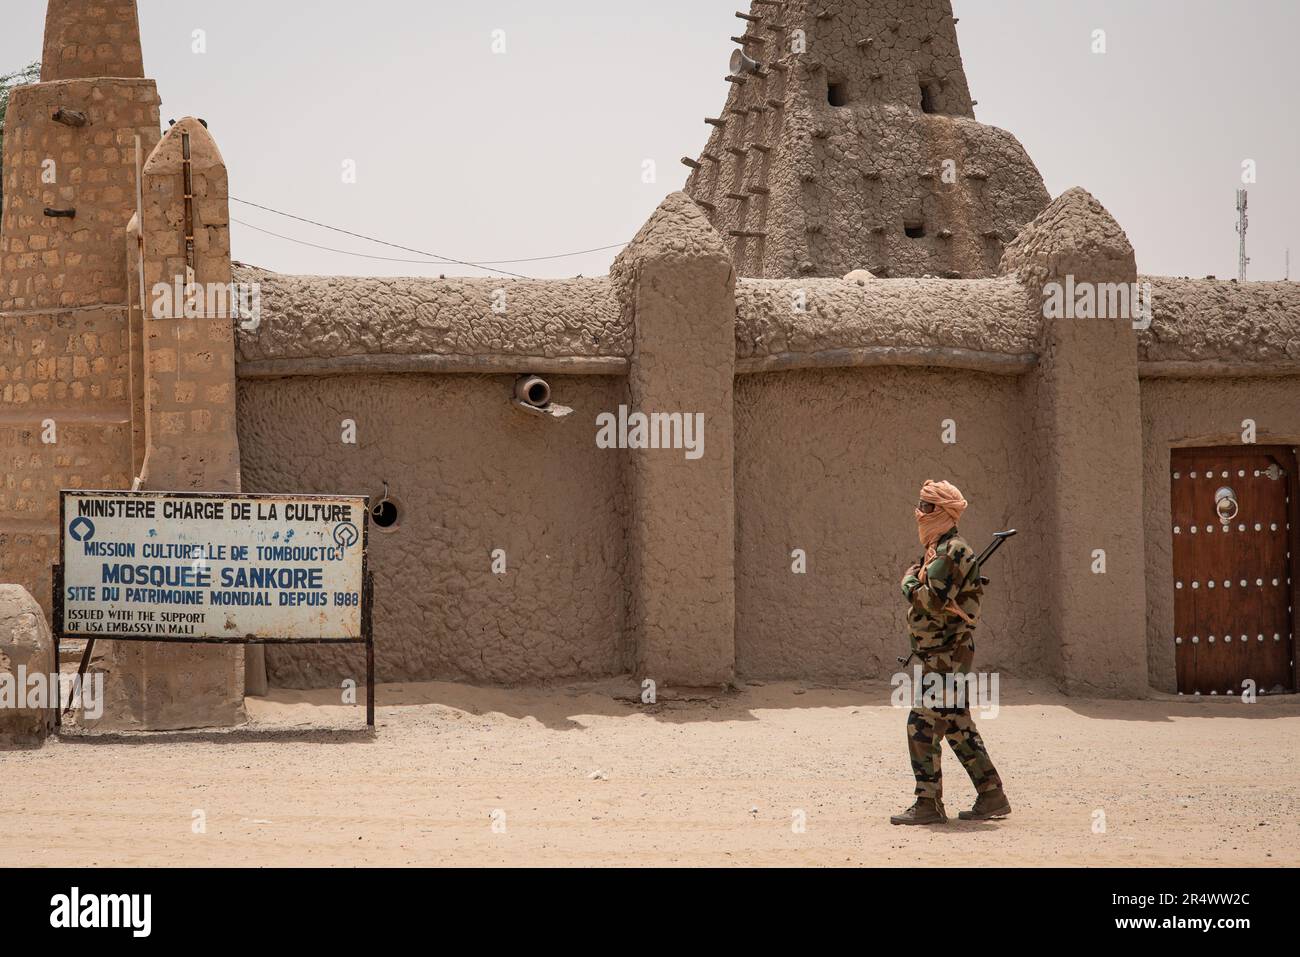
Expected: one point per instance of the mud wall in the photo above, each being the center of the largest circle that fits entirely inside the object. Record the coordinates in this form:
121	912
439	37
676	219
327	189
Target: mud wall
1190	413
830	462
470	474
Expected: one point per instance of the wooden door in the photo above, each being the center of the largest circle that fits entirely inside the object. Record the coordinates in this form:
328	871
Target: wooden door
1233	584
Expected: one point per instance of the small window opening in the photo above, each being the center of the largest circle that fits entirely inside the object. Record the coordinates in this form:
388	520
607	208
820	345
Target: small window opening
915	228
385	514
838	94
927	98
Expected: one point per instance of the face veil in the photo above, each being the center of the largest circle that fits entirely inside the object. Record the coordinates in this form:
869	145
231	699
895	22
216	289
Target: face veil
949	505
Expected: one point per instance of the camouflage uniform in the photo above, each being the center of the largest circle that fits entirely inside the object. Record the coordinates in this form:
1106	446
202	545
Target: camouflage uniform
943	643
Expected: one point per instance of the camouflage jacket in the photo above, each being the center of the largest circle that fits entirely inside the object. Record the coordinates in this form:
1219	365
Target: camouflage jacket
954	575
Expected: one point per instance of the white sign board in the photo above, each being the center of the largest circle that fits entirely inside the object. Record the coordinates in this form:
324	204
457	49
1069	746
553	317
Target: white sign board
181	567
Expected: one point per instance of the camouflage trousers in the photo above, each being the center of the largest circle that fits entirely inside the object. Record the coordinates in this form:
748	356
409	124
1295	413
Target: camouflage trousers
928	727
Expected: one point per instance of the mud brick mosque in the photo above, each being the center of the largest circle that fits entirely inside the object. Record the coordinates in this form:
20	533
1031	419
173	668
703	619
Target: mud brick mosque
850	289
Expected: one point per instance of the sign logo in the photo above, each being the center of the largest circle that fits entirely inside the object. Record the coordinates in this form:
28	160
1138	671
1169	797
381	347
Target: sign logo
346	535
82	530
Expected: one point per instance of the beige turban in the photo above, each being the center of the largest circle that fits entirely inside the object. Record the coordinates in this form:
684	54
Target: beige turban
934	525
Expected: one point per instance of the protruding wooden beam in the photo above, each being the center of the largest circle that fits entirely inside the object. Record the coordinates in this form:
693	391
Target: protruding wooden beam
687	161
69	117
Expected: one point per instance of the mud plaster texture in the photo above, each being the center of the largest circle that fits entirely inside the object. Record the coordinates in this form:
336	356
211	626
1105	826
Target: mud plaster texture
25	643
470	474
311	316
187	391
825	463
1086	420
1180	413
884	178
1206	321
818	315
677	283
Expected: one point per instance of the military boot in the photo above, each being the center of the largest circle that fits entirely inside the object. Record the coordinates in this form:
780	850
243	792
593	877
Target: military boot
924	811
989	806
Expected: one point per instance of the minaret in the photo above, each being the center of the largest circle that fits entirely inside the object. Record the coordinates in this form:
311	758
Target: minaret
70	155
93	394
89	40
848	141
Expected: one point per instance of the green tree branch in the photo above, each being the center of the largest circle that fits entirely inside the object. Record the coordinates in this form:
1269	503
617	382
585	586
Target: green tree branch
28	74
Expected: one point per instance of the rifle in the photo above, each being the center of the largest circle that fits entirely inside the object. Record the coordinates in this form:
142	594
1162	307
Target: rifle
1000	539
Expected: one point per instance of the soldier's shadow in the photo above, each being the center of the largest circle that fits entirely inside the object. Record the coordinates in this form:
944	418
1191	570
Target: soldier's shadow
975	827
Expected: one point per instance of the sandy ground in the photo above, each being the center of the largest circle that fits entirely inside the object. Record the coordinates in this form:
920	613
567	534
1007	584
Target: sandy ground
587	776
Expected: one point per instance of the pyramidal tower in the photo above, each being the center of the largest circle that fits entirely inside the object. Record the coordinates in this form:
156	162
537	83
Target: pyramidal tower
848	141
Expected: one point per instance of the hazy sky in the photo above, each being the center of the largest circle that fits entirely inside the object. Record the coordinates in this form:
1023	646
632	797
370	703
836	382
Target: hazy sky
481	156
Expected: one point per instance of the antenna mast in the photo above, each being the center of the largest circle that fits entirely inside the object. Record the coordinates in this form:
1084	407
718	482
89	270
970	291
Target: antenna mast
1243	223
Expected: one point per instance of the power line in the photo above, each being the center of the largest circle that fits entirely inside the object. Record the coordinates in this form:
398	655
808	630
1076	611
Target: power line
432	260
331	249
425	262
371	239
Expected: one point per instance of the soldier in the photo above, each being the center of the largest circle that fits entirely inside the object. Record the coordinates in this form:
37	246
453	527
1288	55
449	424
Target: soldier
944	592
